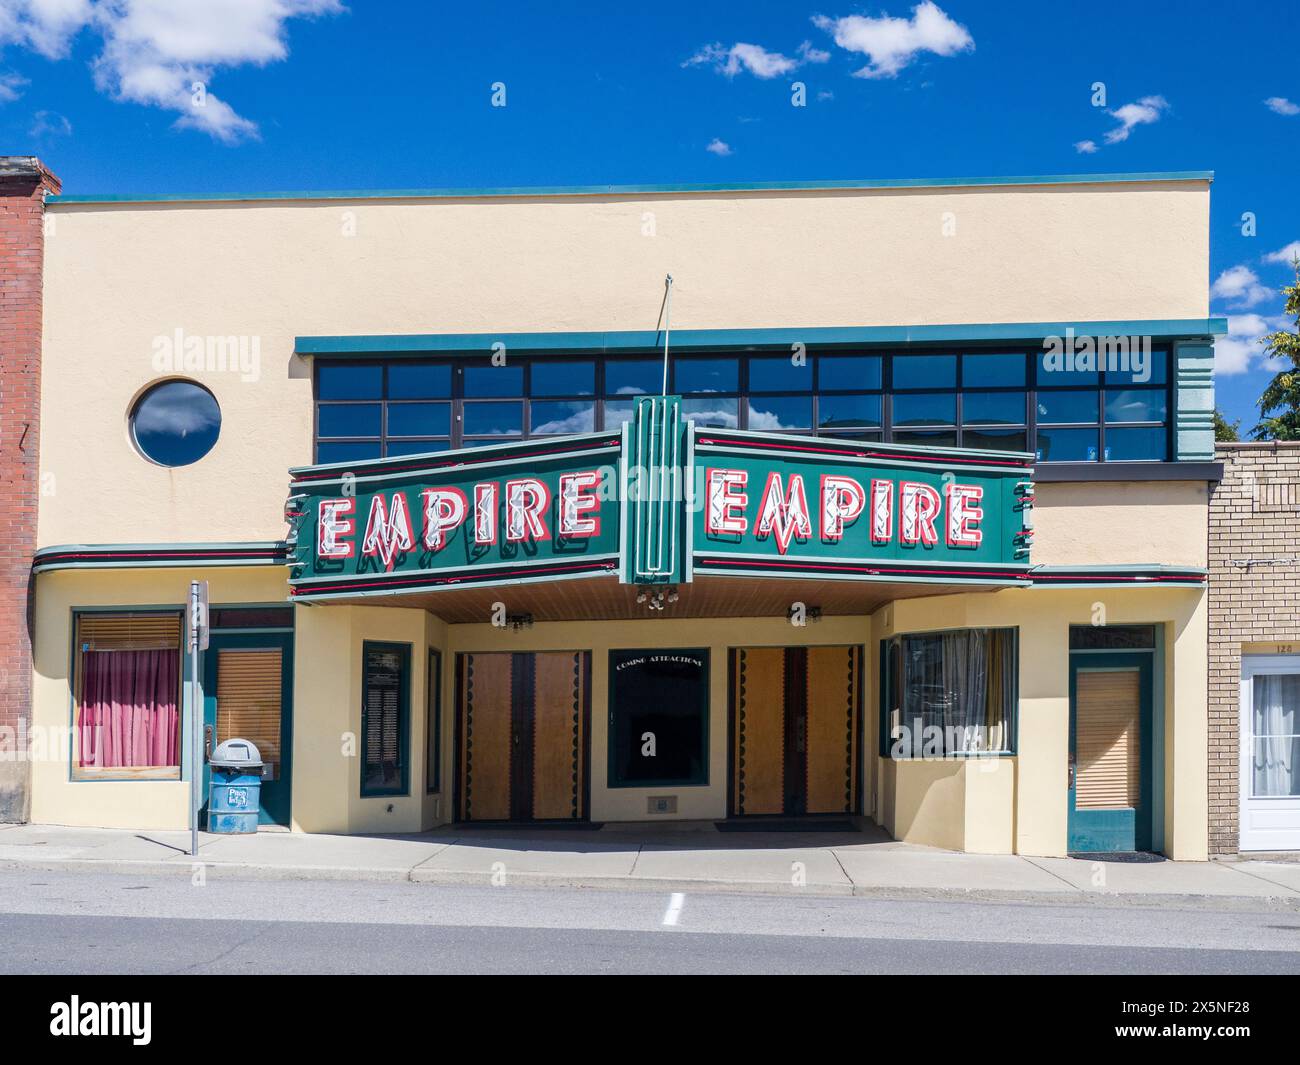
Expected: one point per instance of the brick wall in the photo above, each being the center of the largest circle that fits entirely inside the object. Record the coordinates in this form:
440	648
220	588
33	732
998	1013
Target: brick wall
1255	515
23	184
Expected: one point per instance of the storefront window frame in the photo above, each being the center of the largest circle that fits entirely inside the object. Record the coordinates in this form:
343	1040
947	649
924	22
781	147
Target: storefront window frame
890	663
433	723
959	433
124	774
614	780
403	723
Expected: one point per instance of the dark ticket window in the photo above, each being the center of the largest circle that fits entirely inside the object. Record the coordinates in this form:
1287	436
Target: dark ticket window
385	694
1112	637
433	724
659	711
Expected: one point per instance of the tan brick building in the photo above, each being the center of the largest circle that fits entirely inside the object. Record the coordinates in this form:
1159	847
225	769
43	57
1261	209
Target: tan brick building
1254	604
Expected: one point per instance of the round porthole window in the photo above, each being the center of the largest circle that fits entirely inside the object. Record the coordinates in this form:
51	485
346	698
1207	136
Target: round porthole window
175	423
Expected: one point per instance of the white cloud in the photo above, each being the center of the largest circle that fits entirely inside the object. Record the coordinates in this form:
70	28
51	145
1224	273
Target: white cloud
49	124
1142	113
718	147
580	421
1238	351
755	59
155	51
1280	105
1284	255
813	55
1240	286
43	26
892	43
1085	147
11	86
751	57
175	413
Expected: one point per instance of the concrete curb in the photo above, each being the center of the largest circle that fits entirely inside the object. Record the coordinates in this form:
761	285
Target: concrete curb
452	878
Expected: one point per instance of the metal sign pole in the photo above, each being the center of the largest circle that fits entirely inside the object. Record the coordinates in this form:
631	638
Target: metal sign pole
668	325
198	642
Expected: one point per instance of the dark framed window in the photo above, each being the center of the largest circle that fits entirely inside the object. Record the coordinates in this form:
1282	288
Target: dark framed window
710	389
385	718
1112	637
985	398
949	694
372	410
433	724
658	717
127	670
251	617
1108	415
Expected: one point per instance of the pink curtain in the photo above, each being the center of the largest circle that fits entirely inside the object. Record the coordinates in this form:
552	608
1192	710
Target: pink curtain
129	715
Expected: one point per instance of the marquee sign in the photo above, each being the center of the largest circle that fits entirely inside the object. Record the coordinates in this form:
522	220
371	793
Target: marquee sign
794	506
489	515
659	503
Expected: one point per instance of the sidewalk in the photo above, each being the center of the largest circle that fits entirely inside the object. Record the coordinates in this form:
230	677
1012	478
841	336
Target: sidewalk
654	858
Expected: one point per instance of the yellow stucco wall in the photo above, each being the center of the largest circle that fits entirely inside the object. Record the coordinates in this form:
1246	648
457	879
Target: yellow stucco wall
944	810
118	276
983	804
56	798
327	720
1095	523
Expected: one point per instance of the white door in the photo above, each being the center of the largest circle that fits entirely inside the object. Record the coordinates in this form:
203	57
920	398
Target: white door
1270	752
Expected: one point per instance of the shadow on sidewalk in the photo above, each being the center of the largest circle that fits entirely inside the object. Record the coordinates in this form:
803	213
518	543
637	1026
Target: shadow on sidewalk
682	836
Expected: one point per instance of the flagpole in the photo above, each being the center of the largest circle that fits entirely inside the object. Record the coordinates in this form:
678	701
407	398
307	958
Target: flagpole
668	325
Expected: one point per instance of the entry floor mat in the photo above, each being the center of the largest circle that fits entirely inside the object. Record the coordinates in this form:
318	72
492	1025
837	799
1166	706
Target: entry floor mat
1128	857
748	825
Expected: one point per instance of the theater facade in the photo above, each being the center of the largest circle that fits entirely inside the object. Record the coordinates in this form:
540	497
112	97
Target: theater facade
891	506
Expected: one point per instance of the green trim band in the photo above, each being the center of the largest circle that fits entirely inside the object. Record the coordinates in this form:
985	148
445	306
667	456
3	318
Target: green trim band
271	553
651	342
647	190
155	556
1118	576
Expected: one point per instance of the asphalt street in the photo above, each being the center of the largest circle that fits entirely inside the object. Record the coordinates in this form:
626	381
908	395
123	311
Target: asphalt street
66	922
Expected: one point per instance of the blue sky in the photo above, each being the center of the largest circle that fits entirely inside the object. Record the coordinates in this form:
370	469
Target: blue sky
313	94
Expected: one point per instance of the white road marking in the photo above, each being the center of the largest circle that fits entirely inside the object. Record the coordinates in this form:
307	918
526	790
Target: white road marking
674	910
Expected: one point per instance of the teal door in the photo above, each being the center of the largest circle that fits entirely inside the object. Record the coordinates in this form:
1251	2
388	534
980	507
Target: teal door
248	693
1110	777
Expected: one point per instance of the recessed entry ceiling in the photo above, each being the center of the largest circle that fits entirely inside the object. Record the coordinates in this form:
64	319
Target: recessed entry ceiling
603	598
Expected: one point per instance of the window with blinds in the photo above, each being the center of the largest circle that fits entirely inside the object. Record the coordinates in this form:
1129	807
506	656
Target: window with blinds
248	699
385	688
128	632
126	685
1108	705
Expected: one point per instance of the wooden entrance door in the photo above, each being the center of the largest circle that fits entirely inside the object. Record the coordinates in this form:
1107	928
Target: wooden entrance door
522	731
794	730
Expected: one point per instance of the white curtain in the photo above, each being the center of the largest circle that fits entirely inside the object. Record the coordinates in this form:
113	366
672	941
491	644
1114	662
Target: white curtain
961	683
965	680
1275	727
